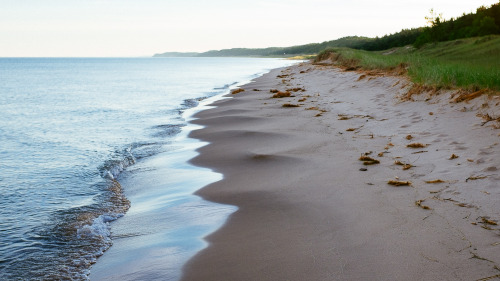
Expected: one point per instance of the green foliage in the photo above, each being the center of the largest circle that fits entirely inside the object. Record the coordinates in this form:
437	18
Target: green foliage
399	39
472	63
484	22
487	26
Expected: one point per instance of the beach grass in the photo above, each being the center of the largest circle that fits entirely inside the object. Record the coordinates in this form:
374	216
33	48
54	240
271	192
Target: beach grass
302	57
472	63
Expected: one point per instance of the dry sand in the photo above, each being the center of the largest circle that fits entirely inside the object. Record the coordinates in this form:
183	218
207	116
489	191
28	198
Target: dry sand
308	211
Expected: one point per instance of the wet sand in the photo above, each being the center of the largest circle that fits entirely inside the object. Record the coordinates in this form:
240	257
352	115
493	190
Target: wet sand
310	210
165	224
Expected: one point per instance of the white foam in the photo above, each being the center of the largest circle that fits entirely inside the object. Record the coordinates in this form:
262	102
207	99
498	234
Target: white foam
99	228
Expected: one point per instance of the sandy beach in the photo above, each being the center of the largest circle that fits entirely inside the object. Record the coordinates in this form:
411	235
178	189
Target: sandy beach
309	209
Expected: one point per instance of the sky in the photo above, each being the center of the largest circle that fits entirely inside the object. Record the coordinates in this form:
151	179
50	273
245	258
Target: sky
124	28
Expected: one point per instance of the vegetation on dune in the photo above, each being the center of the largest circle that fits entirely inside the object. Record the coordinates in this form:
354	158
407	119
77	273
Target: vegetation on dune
472	63
445	54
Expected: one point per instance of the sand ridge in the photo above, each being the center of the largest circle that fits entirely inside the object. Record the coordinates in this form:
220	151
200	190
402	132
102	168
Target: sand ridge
309	209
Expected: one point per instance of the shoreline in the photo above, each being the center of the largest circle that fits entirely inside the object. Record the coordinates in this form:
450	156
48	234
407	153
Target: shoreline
310	210
166	222
162	188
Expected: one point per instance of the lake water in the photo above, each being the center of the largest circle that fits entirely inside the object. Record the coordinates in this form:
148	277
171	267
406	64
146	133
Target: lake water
81	137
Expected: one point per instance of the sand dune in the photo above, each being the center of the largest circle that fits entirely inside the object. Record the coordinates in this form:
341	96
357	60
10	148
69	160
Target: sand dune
309	209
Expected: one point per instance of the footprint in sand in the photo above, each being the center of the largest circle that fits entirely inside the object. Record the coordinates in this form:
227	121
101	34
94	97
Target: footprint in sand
481	160
491	169
484	151
458	145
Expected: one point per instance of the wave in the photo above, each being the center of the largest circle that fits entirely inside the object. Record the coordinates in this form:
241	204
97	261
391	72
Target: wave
113	167
167	130
93	226
225	87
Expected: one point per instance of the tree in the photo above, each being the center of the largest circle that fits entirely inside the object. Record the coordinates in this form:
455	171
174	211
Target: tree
434	19
487	26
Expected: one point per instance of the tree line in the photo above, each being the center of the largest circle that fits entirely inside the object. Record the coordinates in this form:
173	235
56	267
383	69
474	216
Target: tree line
485	21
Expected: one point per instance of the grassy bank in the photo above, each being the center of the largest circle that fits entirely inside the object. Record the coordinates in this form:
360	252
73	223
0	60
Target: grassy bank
472	63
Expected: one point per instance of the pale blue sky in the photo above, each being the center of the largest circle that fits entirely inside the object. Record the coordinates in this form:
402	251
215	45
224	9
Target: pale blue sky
144	27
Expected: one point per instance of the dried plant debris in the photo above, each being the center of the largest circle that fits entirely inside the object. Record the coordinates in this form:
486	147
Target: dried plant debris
312	108
435	181
296	89
371	162
256	90
419	203
453	156
487	118
488	221
351	129
465	205
290	105
406	166
399	183
347	117
416	145
475	178
388	146
367	160
274	91
236	91
409	137
280	94
489	278
302	100
416	90
463	95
